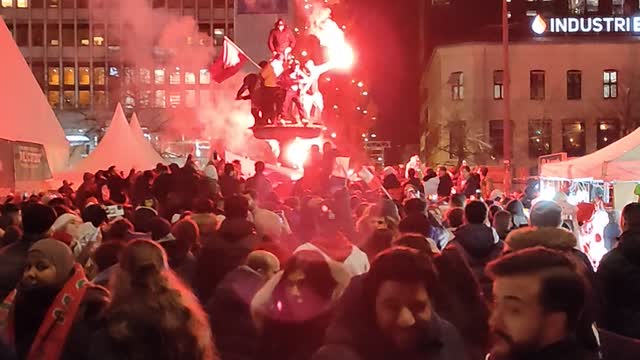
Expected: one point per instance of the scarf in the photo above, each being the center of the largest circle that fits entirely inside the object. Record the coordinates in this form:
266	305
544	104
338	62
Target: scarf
56	325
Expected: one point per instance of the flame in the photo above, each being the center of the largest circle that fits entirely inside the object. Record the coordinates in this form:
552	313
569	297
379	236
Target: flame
539	26
297	152
331	37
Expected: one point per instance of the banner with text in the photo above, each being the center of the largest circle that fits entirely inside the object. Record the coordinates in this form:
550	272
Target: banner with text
30	162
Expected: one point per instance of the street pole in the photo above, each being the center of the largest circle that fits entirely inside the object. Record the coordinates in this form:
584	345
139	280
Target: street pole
506	81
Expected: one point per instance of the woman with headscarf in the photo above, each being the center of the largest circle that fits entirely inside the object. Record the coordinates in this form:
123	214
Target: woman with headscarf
51	313
153	315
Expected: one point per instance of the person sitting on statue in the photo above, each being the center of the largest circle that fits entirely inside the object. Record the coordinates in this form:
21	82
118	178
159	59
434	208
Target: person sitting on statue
271	92
291	81
281	39
253	84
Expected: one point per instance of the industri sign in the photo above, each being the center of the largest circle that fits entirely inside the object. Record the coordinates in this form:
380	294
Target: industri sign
586	25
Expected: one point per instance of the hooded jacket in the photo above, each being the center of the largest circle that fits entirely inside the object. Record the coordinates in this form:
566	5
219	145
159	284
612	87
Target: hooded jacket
479	245
279	41
618	280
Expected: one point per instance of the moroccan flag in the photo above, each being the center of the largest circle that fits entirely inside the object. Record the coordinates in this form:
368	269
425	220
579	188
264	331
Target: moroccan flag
229	63
372	181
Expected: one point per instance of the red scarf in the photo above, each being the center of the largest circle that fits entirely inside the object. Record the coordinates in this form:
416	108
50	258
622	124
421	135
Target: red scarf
56	325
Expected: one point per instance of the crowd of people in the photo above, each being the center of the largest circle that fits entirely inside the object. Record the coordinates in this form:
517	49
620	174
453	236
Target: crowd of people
189	263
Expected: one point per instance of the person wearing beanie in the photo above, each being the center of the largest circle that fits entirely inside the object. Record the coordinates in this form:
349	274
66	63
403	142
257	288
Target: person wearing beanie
546	214
37	220
53	287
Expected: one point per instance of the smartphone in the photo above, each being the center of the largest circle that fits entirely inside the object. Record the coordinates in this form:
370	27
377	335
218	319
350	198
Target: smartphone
114	211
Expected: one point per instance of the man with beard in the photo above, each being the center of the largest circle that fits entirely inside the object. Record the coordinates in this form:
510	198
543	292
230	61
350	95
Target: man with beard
388	314
539	302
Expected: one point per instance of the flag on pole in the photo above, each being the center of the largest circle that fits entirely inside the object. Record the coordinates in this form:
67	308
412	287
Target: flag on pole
371	180
230	63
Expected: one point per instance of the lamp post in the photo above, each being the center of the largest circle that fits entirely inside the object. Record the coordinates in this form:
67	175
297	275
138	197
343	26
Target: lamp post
506	128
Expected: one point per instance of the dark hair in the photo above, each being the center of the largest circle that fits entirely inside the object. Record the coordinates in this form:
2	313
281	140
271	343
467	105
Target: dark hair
203	206
467	168
8	209
377	242
159	228
494	209
546	214
562	288
228	169
501	222
476	212
119	230
317	272
484	170
442	168
416	242
37	218
455	217
107	254
411	172
631	216
458	200
515	207
235	207
415	206
259	167
94	214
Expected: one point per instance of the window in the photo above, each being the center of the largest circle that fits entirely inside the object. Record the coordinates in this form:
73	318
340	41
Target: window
456	80
536	78
145	76
189	78
456	139
54	98
174	77
37	34
190	98
98	35
53	3
593	6
204	4
144	98
128	101
160	100
84	99
205	29
574	85
99	98
205	97
83	34
69	98
618	7
22	4
610	81
38	73
189	4
498	85
22	34
113	36
539	138
576	7
608	132
53	74
496	138
174	4
218	34
7	3
205	76
98	75
69	76
53	35
114	71
84	76
68	37
37	4
174	100
129	75
573	138
159	76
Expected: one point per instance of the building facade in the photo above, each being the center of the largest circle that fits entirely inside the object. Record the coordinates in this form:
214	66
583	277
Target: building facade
572	91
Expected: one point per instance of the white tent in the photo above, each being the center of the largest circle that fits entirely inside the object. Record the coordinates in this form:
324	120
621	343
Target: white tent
138	135
25	113
619	162
118	148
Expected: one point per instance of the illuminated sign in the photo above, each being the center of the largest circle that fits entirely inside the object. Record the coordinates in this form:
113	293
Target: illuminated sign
586	25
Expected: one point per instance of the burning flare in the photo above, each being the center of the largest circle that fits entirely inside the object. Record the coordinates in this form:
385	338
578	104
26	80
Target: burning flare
331	37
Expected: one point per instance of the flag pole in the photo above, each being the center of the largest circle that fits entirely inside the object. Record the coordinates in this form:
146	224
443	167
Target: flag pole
243	53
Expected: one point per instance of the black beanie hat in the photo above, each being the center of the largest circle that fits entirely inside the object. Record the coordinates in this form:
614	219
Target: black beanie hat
37	218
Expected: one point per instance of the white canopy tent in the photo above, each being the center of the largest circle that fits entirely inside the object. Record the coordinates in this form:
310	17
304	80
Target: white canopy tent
25	113
618	162
138	135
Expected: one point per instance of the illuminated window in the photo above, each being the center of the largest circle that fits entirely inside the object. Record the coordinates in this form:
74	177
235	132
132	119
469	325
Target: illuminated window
7	3
610	84
174	77
69	76
189	78
99	98
574	85
98	35
53	3
573	138
114	71
84	76
98	76
608	132
83	34
536	82
129	75
144	99
456	81
69	98
456	139
218	35
174	100
205	76
159	76
23	4
160	100
145	76
498	85
54	98
190	98
539	138
53	75
84	99
53	35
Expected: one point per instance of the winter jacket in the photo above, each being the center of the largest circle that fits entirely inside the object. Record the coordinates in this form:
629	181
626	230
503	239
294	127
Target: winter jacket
618	280
445	186
354	336
471	185
229	313
479	245
280	40
569	349
260	184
